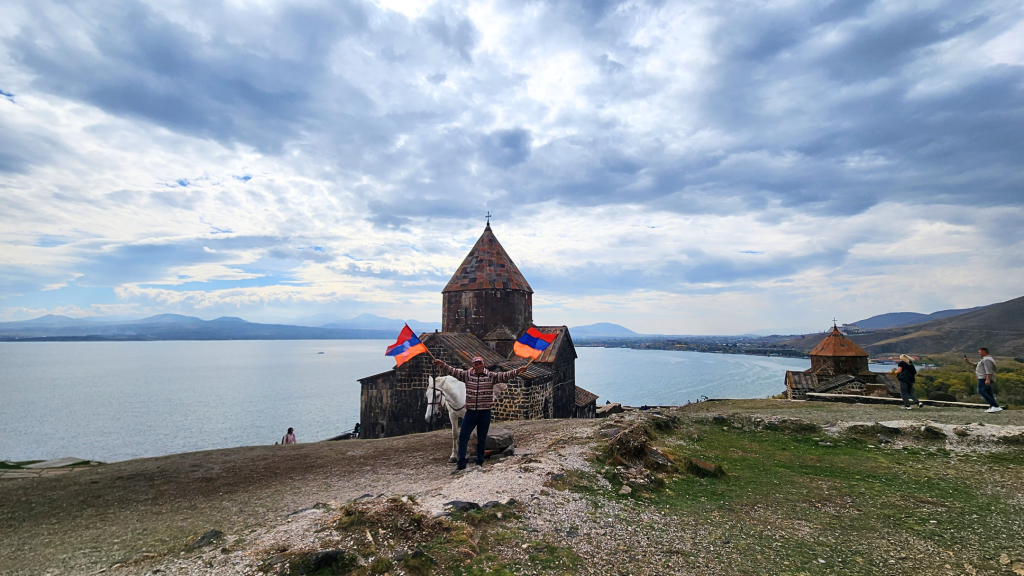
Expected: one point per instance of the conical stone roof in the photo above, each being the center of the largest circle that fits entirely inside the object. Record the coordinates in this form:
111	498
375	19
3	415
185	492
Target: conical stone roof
835	344
487	267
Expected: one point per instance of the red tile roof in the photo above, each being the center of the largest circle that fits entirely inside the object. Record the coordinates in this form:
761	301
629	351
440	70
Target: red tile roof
487	266
583	397
835	344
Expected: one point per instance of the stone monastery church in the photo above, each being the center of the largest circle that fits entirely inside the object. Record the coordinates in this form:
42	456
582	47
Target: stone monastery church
838	366
486	306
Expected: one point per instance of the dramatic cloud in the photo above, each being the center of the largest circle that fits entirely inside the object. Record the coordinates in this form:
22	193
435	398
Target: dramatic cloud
677	167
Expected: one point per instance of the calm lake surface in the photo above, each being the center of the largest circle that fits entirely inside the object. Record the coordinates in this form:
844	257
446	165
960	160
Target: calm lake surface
113	401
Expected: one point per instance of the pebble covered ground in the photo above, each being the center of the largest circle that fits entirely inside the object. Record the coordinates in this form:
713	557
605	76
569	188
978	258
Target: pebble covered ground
561	508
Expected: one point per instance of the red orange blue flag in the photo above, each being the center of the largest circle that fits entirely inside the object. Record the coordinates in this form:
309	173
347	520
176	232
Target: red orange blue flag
407	346
533	343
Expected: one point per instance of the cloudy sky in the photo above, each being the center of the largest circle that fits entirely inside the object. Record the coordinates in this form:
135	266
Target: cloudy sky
676	167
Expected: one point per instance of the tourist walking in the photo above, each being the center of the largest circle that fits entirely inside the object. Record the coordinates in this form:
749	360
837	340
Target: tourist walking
985	370
906	373
479	399
289	438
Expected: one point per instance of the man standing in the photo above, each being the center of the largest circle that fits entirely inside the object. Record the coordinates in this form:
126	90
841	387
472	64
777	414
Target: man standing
985	370
479	400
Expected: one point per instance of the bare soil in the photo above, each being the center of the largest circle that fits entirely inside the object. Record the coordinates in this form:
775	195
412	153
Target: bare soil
93	519
140	516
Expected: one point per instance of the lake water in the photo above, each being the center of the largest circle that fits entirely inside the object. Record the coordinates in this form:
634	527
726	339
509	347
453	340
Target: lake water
113	401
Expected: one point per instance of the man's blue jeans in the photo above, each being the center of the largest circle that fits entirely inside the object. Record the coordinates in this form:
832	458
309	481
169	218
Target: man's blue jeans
985	391
481	420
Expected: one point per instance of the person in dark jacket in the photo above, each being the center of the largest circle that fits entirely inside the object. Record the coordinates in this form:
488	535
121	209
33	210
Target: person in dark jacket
906	374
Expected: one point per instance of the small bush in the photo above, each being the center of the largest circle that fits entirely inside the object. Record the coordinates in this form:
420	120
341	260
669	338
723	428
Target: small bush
958	379
418	563
351	517
380	566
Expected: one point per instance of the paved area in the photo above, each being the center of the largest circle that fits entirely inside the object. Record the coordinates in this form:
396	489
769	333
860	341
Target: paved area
49	468
56	463
21	474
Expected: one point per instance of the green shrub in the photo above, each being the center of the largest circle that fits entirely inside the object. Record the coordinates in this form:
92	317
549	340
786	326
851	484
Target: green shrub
380	566
959	380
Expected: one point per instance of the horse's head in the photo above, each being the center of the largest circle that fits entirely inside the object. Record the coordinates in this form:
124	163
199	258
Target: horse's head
433	401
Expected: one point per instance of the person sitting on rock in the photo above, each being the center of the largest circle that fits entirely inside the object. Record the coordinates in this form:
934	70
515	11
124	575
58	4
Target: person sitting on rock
480	384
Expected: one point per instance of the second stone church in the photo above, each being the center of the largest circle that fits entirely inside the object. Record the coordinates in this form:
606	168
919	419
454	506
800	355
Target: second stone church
486	306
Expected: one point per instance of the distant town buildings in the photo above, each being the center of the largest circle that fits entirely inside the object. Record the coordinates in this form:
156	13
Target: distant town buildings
851	329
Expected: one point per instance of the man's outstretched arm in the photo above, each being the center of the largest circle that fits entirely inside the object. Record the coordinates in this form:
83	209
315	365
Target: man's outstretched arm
498	377
450	370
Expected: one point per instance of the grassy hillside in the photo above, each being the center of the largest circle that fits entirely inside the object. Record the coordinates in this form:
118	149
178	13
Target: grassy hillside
998	327
895	319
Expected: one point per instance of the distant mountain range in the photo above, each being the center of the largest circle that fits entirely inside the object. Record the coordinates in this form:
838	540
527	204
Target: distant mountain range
174	327
364	322
371	322
179	327
601	330
896	319
998	327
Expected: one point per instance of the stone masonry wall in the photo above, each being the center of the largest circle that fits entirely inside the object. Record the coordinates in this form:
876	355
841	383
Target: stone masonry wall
395	402
524	399
564	390
480	311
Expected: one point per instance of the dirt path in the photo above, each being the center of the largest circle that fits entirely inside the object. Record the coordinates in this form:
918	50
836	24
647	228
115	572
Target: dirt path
81	523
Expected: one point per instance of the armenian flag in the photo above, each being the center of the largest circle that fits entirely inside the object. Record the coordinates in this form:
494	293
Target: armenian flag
407	346
533	343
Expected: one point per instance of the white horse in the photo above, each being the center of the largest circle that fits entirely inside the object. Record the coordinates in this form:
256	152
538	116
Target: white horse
449	393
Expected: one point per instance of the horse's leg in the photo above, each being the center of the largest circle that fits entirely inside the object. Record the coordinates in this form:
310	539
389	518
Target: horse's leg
455	436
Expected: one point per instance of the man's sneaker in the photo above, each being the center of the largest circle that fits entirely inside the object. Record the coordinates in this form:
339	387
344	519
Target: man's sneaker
905	408
458	469
993	409
920	404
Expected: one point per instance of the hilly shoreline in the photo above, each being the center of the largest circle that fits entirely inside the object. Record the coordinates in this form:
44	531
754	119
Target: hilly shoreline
998	327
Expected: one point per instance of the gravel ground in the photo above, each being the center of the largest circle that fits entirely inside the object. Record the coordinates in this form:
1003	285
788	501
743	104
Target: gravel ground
138	517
